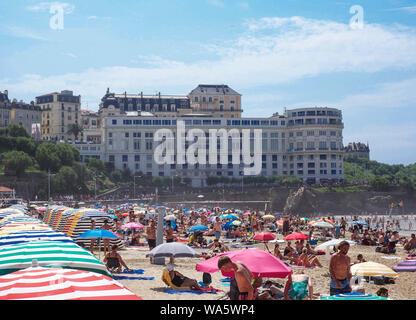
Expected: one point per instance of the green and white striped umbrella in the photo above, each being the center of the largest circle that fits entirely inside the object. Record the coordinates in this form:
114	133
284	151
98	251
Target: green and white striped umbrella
49	254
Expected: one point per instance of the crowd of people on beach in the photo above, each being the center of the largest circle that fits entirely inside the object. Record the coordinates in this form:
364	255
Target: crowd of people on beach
221	235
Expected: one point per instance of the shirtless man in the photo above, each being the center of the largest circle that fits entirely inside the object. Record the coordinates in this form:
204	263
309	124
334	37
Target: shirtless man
151	236
339	269
169	232
217	228
242	274
106	226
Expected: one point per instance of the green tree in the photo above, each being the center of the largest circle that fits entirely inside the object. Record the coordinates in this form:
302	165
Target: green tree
15	130
96	164
26	145
17	162
116	176
65	181
47	157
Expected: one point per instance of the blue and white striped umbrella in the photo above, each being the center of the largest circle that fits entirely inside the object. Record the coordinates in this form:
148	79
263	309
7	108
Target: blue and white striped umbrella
34	235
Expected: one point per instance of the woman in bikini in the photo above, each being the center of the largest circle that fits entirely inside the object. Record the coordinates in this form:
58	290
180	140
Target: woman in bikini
113	260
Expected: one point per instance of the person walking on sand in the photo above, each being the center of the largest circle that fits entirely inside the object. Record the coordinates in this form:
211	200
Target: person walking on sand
217	228
242	275
339	269
151	236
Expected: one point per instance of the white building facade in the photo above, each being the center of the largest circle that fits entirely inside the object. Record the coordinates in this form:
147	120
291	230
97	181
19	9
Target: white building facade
306	143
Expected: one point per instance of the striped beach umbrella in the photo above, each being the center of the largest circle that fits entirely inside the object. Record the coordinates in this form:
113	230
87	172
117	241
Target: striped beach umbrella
321	224
7	231
268	217
371	269
38	283
49	253
34	235
353	296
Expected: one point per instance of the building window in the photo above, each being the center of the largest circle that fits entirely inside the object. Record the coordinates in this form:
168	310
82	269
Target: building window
125	158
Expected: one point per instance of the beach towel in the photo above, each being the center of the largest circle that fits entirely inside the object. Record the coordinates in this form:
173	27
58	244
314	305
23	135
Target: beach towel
208	290
132	278
133	271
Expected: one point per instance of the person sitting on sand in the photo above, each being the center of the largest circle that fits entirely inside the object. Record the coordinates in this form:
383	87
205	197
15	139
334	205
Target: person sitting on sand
298	286
411	244
360	259
113	260
277	252
308	261
179	280
217	245
355	236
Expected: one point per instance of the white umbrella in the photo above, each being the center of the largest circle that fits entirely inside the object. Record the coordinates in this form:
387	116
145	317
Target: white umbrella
332	243
173	249
170	217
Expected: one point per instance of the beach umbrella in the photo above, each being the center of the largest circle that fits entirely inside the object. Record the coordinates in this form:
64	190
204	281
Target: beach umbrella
371	269
38	283
264	237
322	224
6	231
332	243
229	216
259	262
322	220
199	227
236	223
268	217
173	249
353	296
34	235
98	234
41	209
48	253
112	216
170	217
361	222
296	236
247	213
405	266
132	225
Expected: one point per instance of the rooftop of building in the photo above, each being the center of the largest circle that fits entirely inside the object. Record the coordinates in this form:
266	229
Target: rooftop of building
214	89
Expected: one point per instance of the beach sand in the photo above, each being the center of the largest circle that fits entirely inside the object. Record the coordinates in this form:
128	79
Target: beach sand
403	289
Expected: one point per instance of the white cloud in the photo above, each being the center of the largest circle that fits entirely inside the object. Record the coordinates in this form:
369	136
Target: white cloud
243	5
70	54
272	51
216	3
411	9
92	18
21	32
45	6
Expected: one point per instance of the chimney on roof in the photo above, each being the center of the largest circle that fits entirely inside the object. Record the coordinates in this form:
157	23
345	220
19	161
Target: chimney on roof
159	94
141	94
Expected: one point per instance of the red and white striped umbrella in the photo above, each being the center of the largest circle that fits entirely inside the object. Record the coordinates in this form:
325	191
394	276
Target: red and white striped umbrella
38	283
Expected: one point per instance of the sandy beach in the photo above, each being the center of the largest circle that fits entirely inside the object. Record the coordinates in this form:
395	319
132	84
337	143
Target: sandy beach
403	289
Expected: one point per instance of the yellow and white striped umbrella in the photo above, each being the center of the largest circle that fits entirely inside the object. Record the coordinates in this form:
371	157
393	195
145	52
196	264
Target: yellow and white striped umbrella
268	216
370	269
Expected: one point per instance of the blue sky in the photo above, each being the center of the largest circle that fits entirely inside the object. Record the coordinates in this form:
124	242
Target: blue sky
277	54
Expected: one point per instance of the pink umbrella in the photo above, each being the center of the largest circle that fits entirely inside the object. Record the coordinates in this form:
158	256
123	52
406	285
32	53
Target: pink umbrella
264	236
41	209
132	225
248	213
296	236
260	263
